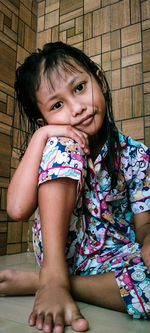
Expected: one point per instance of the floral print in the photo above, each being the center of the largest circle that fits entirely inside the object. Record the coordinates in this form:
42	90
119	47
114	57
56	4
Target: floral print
101	237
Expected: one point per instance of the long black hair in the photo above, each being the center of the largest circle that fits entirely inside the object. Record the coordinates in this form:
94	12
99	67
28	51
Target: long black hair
52	56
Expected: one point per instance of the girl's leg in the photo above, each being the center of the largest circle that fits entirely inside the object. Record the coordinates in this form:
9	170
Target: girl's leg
101	290
14	282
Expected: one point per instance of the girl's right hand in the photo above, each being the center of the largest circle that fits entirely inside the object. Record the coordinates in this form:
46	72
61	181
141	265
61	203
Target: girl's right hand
67	131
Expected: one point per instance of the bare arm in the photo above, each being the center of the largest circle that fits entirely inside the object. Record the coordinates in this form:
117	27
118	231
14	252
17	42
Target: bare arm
22	191
142	224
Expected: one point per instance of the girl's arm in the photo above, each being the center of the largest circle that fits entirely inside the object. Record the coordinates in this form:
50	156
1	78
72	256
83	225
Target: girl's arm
22	191
142	224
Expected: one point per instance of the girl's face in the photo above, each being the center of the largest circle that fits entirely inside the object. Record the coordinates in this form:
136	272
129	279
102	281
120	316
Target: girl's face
74	98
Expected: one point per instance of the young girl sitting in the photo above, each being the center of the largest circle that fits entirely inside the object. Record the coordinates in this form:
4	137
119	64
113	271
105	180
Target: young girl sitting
87	180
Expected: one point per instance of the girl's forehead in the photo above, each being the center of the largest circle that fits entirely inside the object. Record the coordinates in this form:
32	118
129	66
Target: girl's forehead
61	74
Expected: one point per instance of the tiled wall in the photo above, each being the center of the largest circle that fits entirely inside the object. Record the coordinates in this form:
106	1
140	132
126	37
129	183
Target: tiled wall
18	25
114	33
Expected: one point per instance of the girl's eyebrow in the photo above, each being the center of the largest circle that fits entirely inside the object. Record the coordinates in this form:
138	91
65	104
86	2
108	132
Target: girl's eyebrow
55	96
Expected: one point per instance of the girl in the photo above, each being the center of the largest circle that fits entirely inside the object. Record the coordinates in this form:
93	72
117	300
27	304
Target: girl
91	180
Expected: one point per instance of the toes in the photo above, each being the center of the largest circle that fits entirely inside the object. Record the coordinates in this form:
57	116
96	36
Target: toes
59	324
79	323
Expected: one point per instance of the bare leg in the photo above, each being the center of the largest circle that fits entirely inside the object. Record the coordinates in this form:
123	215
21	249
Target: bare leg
14	282
101	290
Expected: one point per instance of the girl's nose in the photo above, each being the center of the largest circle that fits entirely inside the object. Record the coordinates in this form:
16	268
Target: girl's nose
77	108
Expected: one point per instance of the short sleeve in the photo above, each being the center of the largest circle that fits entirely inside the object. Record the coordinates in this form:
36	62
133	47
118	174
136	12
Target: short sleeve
62	157
139	171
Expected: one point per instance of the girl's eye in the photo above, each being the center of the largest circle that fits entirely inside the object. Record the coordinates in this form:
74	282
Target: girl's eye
80	87
57	105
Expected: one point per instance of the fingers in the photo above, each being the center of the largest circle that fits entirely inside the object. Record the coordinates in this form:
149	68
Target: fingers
80	137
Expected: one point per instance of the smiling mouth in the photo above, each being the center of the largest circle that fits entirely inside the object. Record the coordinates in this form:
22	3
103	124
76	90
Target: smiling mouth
86	120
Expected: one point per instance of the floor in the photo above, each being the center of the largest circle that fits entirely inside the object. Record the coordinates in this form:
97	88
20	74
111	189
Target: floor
14	311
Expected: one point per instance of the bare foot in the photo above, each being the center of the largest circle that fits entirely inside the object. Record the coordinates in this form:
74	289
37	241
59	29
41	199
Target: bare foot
13	282
54	309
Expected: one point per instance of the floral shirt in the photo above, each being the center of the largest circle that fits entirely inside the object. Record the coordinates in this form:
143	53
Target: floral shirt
102	216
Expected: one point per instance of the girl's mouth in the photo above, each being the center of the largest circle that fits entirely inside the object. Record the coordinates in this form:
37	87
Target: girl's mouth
86	120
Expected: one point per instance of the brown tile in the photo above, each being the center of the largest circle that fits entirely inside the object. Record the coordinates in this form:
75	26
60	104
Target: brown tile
13	248
4	182
63	36
106	43
92	46
70	32
135	11
10	33
79	25
7	21
5	10
147	136
51	19
3	97
5	129
51	5
3	242
147	88
43	37
67	25
101	21
147	104
1	20
27	3
145	10
120	14
7	64
25	14
4	118
14	232
146	61
41	8
34	22
3	227
146	40
131	60
15	3
3	216
21	32
146	24
90	6
25	229
7	88
115	79
10	6
40	23
8	41
30	39
87	26
122	103
106	61
131	34
14	23
21	54
71	15
137	101
75	39
134	128
115	57
67	6
5	152
3	198
115	39
2	107
131	75
55	34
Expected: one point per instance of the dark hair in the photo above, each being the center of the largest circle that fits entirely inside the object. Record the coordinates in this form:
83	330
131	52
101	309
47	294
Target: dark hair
27	82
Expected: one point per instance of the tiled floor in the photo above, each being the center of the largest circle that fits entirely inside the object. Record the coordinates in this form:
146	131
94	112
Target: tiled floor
14	311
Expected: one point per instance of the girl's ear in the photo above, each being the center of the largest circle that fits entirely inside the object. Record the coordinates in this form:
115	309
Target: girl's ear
40	121
102	79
